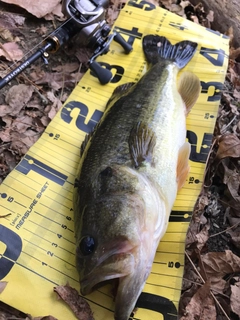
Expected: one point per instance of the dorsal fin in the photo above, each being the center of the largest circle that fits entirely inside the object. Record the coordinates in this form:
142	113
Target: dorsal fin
119	92
85	141
189	89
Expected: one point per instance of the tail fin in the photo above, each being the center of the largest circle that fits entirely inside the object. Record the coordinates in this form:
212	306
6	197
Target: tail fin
157	47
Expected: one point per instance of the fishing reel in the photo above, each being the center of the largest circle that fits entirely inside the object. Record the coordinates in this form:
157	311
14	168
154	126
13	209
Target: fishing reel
87	19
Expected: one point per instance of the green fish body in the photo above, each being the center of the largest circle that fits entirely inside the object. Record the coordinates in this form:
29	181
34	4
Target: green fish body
131	168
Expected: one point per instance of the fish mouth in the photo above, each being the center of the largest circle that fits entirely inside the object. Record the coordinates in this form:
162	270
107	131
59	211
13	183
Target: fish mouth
128	271
114	267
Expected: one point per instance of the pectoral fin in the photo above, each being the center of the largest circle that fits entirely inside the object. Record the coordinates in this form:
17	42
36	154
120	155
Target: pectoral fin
189	89
142	141
183	164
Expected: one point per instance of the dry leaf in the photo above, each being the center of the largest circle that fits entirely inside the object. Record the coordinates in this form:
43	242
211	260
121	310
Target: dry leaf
210	16
22	123
68	67
77	303
219	264
202	237
11	51
57	80
16	97
38	8
234	53
235	297
3	284
235	236
201	305
229	146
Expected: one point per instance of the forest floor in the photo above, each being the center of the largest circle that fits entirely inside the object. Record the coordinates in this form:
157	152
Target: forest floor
211	286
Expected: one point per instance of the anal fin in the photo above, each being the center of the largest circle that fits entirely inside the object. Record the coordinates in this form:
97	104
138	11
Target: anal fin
183	164
142	141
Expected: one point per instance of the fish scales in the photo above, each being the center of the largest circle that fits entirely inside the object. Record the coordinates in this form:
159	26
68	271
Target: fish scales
130	170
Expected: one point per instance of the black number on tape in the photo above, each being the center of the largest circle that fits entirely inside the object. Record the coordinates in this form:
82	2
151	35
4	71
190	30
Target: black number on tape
29	163
13	250
205	146
180	216
172	264
50	253
118	71
158	304
217	87
10	199
146	6
66	115
132	34
178	26
208	54
218	33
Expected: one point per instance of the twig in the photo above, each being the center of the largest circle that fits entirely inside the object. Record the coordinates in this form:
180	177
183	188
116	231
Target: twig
200	284
229	228
5	215
215	299
225	129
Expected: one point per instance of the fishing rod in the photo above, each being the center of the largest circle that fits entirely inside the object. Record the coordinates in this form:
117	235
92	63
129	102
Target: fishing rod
86	18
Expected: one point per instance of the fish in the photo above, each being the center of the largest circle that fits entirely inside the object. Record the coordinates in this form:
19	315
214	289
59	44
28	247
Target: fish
131	167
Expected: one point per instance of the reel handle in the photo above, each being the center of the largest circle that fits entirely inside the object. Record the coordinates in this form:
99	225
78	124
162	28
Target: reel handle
104	75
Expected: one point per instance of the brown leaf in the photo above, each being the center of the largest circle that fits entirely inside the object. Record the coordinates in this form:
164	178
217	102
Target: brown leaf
201	305
38	8
68	67
17	97
11	51
57	80
235	297
3	285
234	53
235	236
19	147
202	237
219	264
210	16
77	303
22	123
229	146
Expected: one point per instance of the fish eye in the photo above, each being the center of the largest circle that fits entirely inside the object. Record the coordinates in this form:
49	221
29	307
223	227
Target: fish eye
87	245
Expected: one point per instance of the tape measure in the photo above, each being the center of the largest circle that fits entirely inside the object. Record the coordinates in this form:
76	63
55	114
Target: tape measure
37	245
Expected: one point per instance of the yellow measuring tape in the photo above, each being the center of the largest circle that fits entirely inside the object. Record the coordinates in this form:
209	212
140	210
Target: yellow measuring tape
37	246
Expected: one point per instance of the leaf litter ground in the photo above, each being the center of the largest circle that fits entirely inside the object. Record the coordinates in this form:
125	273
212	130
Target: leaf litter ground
211	285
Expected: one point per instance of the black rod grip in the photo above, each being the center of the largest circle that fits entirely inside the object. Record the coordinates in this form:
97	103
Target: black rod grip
14	73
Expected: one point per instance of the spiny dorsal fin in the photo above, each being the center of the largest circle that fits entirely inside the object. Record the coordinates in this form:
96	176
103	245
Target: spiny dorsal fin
119	92
189	88
183	164
85	141
142	141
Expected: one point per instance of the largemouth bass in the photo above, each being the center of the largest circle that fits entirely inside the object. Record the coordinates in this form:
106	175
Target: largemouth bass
131	168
